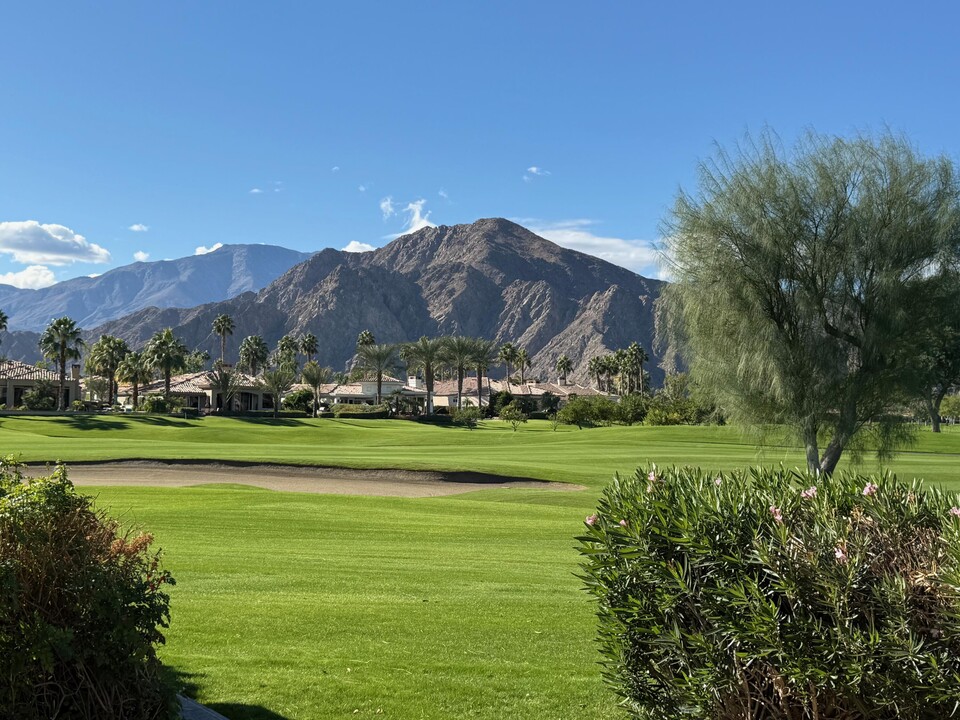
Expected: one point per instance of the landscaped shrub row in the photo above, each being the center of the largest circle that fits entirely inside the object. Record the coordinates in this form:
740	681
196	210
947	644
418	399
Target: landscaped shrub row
82	605
775	594
364	412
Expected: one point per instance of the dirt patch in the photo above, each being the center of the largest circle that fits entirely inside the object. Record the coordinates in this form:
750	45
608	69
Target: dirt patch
339	481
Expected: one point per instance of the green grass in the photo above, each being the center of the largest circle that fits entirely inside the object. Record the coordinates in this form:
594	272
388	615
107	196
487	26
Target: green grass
317	606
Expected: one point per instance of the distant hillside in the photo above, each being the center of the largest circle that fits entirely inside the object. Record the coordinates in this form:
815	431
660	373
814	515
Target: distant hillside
492	278
186	282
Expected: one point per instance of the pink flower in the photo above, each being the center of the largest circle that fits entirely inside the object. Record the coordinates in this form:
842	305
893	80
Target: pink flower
955	511
870	489
718	481
590	519
624	523
809	493
652	476
840	553
777	514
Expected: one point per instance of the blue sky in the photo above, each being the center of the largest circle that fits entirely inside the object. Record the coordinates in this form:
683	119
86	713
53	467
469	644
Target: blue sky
134	129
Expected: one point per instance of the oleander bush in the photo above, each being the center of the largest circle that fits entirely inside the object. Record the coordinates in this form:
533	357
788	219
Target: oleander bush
82	607
777	595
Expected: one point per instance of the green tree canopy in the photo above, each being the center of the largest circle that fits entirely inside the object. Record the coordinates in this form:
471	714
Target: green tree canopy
800	277
167	354
135	369
378	360
425	354
223	326
253	353
105	357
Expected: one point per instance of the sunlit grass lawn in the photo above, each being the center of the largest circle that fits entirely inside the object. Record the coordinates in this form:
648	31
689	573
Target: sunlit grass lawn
321	606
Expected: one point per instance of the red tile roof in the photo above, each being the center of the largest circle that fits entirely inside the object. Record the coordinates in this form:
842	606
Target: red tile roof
16	370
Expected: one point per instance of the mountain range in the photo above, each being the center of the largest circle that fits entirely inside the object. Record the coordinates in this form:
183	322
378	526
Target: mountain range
492	278
90	301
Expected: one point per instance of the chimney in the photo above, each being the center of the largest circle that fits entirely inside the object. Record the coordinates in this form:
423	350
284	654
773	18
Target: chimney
75	371
414	382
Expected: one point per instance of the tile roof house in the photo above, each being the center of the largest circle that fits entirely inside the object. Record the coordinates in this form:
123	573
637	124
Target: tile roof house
445	392
365	391
16	378
198	393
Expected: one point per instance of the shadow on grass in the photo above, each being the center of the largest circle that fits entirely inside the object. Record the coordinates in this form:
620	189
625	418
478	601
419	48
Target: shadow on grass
188	684
281	421
235	711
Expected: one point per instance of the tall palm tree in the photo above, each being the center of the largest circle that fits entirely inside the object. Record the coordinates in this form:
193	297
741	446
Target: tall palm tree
275	383
507	355
523	362
309	345
105	357
458	354
595	368
564	366
315	376
3	321
223	325
253	353
286	352
377	359
636	357
167	354
481	358
134	369
426	354
60	342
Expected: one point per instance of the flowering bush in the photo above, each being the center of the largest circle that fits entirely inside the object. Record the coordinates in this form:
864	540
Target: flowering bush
81	608
775	594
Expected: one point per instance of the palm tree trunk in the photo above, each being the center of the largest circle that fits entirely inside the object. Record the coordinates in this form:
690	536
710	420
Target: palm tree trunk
479	386
459	387
166	385
223	348
428	376
63	377
379	387
136	394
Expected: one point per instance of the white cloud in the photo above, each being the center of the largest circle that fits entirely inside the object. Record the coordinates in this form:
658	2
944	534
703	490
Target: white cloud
33	277
277	185
32	243
641	256
387	208
205	250
354	246
138	227
416	220
362	188
255	191
534	171
94	275
335	168
141	256
443	194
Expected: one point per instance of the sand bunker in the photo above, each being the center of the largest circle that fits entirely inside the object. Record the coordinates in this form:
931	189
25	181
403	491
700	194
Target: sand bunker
340	481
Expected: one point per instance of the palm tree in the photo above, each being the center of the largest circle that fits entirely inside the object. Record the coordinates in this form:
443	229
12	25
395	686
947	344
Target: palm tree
366	338
507	355
378	359
253	353
225	382
481	357
134	369
595	368
275	383
60	342
167	354
636	357
223	325
458	354
564	366
3	321
309	345
315	376
105	357
427	354
523	362
286	352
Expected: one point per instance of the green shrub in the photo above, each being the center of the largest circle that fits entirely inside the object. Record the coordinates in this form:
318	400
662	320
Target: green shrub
365	412
588	411
467	417
778	595
514	415
82	605
156	404
301	400
632	409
